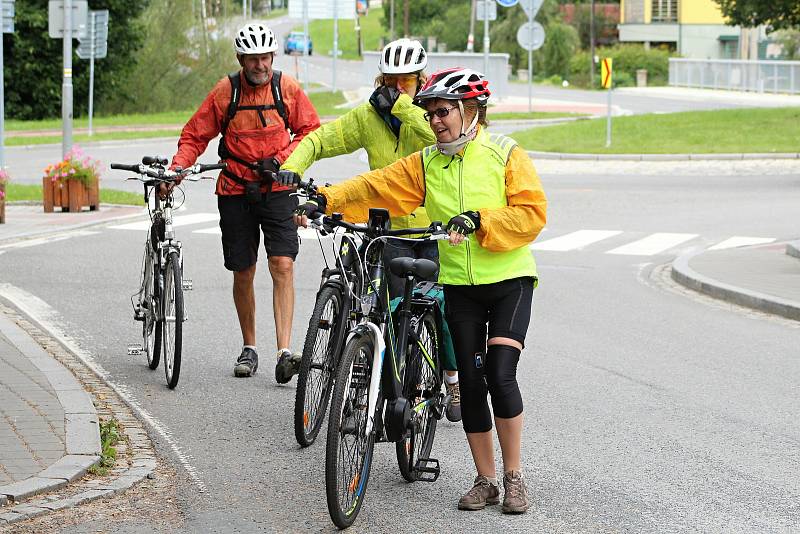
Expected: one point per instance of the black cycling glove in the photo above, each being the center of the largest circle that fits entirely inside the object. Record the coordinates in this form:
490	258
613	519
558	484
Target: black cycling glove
383	99
465	223
311	207
288	178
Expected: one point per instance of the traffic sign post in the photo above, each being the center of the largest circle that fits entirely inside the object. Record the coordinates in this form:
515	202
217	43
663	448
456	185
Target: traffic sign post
606	78
95	47
487	10
7	26
530	37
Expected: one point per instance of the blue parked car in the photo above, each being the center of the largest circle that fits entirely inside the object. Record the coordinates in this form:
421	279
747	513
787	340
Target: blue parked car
295	43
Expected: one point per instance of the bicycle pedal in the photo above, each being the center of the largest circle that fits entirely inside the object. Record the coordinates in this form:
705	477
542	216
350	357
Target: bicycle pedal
187	285
135	350
427	469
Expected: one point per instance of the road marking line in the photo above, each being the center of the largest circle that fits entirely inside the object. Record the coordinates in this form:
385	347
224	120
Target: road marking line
652	244
213	230
51	321
182	220
575	240
50	239
741	241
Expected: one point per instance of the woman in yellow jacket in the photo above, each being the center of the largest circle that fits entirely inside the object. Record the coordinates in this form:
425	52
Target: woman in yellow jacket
489	191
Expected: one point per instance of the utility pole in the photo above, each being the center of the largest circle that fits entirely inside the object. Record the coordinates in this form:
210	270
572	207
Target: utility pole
391	20
486	39
405	18
66	85
471	37
591	45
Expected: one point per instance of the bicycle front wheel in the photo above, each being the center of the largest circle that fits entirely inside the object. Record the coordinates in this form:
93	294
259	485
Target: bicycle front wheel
348	452
320	353
151	326
422	384
173	318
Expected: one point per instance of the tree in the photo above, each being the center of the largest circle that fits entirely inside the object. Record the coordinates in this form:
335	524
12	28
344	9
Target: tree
778	14
33	60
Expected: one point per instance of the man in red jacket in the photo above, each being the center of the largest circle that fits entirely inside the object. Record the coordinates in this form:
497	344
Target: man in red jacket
262	115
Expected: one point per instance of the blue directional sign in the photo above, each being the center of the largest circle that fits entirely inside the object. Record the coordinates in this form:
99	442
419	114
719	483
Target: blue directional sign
507	3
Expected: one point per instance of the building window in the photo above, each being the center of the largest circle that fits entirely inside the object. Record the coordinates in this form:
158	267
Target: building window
665	11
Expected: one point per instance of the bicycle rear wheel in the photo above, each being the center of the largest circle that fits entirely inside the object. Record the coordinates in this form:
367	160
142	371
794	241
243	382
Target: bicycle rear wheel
151	326
348	452
422	384
320	353
173	318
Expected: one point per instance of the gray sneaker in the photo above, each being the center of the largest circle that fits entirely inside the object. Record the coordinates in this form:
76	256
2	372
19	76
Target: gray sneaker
287	366
453	412
482	493
515	500
247	364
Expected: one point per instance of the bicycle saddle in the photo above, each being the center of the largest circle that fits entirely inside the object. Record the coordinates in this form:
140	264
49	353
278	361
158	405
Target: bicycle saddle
420	268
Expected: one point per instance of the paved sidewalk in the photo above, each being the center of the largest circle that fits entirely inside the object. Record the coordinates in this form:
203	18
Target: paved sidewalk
763	277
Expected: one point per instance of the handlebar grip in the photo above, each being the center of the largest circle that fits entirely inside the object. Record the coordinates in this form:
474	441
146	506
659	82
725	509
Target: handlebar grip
149	160
212	167
124	167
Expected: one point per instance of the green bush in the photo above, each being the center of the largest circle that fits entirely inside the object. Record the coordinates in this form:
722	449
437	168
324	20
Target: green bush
628	58
559	47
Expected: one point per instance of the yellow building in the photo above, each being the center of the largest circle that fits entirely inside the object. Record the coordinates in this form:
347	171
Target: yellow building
695	28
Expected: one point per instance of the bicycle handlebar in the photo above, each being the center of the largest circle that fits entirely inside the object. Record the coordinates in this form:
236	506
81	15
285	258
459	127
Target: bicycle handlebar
152	168
434	232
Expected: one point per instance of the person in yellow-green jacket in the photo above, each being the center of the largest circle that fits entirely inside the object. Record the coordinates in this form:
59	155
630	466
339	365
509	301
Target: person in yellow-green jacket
489	191
389	126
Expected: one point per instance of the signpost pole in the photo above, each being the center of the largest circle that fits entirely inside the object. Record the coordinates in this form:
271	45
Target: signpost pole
608	120
486	38
92	43
66	86
2	98
530	61
305	45
335	41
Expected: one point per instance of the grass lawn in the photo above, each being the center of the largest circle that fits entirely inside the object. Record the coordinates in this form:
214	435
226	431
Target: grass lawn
524	115
138	119
698	132
107	196
325	102
371	32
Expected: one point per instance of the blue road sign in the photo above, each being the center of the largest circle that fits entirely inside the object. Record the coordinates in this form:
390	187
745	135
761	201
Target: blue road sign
507	3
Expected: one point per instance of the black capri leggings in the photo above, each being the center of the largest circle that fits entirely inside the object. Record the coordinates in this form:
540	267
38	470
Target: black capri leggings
506	308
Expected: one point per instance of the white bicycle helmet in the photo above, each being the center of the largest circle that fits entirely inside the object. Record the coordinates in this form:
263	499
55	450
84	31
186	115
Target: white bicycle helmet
403	56
255	38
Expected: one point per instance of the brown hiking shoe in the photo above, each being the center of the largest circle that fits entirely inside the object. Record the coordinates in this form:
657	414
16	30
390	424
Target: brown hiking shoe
482	493
515	500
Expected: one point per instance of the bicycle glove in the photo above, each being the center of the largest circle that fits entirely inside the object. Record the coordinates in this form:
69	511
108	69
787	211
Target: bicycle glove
465	223
311	207
288	178
383	99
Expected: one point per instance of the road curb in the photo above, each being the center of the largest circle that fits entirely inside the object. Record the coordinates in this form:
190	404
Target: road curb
81	424
793	249
682	273
135	454
536	154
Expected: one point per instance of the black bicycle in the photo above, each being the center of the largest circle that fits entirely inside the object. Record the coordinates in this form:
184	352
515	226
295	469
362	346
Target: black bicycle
335	311
395	397
159	302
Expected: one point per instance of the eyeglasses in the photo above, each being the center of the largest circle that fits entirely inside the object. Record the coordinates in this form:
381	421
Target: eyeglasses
406	81
439	112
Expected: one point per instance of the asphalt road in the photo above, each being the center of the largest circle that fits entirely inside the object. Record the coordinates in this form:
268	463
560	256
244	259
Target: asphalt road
647	410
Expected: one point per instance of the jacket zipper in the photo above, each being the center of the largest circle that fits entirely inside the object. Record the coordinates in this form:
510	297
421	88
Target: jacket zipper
461	205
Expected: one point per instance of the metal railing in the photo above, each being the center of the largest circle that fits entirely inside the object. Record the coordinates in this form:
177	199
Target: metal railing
736	74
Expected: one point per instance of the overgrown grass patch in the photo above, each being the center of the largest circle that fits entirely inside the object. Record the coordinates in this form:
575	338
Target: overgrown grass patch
696	132
109	437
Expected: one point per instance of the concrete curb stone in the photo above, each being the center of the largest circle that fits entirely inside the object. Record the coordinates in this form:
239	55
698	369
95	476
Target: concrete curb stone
793	249
135	451
685	275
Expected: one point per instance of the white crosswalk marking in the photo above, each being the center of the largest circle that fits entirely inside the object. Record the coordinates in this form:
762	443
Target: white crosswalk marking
214	230
574	240
741	241
180	220
652	244
304	233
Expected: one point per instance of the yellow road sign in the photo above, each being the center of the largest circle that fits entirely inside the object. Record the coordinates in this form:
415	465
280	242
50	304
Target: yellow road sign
606	72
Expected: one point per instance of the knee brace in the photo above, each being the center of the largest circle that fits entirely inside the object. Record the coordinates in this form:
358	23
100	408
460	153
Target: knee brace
501	378
469	343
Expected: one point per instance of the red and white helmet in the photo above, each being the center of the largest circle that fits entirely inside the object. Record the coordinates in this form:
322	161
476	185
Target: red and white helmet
403	56
255	38
456	83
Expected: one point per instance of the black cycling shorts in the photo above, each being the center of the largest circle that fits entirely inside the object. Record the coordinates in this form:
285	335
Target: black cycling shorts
242	224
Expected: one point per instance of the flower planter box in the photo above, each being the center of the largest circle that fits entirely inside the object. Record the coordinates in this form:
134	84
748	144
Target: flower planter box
2	202
69	195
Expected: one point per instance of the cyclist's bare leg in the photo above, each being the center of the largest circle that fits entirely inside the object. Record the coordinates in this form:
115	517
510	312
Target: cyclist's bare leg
244	298
482	448
282	270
